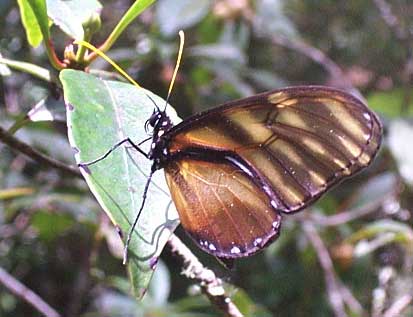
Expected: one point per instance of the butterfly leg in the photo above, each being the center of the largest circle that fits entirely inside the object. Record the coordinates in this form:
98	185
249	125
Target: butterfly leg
140	143
135	222
114	147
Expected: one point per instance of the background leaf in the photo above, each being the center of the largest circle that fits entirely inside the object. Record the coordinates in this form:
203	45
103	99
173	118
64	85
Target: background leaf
70	15
272	19
31	26
179	14
48	109
39	10
390	103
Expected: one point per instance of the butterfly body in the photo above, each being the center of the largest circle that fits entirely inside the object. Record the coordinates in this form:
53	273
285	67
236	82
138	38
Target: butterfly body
234	170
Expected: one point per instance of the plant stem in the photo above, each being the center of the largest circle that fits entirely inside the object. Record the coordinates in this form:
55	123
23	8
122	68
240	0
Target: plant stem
51	53
29	151
137	8
32	69
211	286
20	290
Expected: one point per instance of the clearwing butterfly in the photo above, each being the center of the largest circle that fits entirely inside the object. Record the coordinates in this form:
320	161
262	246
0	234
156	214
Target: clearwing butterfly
233	171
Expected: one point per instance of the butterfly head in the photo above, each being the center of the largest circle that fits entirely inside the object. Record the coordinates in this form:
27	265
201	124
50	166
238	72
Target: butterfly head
155	118
158	121
160	124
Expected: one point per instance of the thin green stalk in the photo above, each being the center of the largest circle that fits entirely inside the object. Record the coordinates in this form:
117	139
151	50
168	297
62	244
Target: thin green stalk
135	10
32	69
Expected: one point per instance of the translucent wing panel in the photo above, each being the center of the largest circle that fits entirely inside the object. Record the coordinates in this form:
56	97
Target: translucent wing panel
300	140
221	208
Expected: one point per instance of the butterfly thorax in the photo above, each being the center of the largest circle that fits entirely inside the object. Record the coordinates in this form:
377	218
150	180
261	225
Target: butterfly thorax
159	153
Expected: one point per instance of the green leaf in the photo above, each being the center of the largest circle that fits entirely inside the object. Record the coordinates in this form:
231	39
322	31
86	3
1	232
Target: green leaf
175	15
50	225
394	231
69	16
33	31
100	114
33	69
39	10
389	103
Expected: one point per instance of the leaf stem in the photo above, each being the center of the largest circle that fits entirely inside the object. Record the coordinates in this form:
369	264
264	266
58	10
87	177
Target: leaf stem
32	69
51	53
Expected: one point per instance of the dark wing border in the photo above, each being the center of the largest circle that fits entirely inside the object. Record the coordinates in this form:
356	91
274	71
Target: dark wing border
262	98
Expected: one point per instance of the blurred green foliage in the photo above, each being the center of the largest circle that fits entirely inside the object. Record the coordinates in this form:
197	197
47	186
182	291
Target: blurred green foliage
55	238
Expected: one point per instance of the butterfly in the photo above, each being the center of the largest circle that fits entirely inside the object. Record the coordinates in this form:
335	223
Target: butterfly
234	171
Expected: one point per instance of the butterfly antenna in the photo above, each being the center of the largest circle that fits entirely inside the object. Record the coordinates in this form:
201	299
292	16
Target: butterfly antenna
135	222
116	66
154	103
108	59
178	62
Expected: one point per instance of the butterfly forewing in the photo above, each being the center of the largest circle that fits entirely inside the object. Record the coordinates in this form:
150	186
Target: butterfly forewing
301	140
292	144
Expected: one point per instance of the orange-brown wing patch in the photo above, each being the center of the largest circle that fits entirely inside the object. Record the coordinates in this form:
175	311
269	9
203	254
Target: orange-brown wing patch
221	208
300	140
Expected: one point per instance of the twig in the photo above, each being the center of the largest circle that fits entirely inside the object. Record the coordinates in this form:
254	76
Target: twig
211	285
350	300
344	216
398	306
26	294
380	293
333	287
81	285
336	73
311	52
29	151
391	20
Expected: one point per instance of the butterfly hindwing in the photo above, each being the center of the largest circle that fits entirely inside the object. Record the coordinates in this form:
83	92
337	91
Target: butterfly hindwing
221	208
